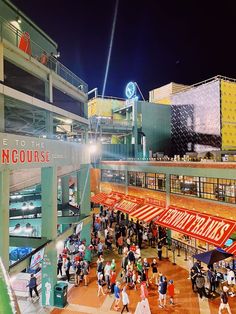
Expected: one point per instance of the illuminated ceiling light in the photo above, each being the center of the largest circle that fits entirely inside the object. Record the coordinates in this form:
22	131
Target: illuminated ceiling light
18	196
13	197
31	205
92	149
18	19
24	206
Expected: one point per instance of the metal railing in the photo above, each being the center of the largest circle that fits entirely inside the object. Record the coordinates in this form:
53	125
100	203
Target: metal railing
13	35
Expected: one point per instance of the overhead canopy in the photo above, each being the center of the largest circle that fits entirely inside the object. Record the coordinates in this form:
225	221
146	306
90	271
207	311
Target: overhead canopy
134	199
212	256
155	201
232	249
147	212
212	229
109	201
126	206
98	198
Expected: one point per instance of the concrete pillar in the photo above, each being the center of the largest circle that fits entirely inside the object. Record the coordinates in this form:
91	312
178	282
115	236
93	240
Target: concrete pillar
49	202
50	86
84	187
49	124
1	63
86	235
49	230
126	182
49	276
65	190
4	214
2	116
167	190
78	192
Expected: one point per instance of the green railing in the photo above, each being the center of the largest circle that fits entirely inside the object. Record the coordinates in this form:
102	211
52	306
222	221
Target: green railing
13	35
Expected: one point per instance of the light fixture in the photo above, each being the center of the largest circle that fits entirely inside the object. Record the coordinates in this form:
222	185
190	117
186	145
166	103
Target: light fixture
24	206
18	19
31	206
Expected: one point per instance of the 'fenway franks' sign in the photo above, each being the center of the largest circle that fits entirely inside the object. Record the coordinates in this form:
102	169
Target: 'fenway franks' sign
208	228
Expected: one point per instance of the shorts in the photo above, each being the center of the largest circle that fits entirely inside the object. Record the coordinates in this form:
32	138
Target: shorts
224	306
117	297
162	296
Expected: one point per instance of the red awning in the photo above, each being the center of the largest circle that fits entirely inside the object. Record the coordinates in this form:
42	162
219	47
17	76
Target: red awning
155	201
98	198
147	212
126	206
134	199
109	201
212	229
231	249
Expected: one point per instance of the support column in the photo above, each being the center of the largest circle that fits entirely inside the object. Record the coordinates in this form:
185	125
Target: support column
65	191
49	230
2	114
126	182
86	235
78	192
4	214
49	124
50	91
167	190
1	63
84	187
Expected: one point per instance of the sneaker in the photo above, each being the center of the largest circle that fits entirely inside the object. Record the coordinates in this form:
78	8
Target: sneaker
160	306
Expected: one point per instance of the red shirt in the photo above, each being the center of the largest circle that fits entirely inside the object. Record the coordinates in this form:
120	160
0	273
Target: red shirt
133	248
171	289
113	278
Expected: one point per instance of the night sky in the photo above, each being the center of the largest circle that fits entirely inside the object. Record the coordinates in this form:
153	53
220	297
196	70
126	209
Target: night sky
155	42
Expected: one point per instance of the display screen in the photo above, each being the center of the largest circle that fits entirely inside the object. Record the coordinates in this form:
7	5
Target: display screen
36	258
228	242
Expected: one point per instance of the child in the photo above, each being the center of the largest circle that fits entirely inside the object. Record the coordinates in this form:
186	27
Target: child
171	291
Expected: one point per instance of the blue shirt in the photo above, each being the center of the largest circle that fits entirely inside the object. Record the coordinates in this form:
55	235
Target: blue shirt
117	292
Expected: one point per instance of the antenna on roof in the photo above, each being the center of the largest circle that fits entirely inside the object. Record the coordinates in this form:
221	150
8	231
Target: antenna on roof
139	90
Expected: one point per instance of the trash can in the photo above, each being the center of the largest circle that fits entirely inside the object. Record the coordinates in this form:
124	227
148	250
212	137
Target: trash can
60	294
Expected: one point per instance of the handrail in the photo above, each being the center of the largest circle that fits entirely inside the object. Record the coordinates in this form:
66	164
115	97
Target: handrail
13	35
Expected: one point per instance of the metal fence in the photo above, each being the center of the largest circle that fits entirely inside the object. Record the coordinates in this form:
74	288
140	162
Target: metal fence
13	35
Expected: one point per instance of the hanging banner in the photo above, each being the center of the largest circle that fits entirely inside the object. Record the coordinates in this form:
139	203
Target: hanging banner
204	227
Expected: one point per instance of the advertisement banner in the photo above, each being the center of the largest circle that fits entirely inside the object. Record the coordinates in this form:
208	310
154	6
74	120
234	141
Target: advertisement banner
212	229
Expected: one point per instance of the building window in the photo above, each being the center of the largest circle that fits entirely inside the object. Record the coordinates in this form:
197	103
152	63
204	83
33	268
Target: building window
115	176
151	181
140	179
209	188
185	185
223	190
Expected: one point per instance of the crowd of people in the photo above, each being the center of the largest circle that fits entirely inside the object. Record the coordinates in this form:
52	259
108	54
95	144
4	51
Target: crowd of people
72	259
127	238
114	232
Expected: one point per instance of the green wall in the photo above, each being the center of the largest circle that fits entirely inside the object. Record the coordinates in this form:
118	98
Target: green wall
156	126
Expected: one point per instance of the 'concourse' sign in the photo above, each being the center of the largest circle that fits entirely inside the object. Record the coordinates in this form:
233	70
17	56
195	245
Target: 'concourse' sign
205	227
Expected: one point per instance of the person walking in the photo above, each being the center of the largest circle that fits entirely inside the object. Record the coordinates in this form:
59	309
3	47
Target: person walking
159	250
125	300
117	295
33	287
224	301
77	273
171	291
59	265
200	284
154	271
101	284
162	292
67	268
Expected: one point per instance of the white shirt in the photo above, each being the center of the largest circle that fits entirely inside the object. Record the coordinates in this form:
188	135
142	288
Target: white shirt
125	298
107	270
